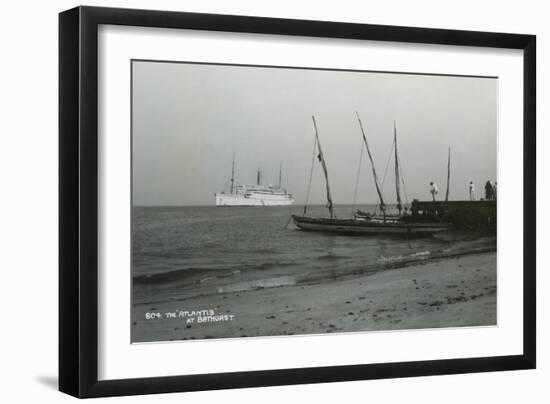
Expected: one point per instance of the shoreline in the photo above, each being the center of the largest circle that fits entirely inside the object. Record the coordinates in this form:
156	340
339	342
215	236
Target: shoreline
440	292
191	283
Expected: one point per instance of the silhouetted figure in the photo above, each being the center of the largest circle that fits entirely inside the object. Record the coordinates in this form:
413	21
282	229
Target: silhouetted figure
495	191
488	191
472	191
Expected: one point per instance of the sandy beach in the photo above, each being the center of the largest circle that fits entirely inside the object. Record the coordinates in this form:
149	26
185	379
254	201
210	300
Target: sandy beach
448	292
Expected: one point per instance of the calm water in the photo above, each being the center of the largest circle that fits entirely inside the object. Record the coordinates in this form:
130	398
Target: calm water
185	251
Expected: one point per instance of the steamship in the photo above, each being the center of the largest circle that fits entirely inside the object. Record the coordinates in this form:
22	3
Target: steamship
254	195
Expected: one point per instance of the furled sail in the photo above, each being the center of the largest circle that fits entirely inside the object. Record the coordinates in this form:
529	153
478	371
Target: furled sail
376	181
321	159
448	175
397	176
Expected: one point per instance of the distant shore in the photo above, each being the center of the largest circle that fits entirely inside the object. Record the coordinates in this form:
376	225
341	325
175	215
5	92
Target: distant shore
449	292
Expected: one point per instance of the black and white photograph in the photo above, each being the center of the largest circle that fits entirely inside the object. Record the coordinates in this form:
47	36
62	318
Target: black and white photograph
275	202
270	201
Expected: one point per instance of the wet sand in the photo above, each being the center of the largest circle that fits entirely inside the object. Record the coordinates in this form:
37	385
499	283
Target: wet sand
449	292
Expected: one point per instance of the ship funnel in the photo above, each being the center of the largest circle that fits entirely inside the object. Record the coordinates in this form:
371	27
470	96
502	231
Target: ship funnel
259	178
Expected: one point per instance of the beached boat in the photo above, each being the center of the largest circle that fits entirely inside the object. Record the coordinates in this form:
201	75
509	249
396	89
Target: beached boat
254	194
363	227
364	223
383	215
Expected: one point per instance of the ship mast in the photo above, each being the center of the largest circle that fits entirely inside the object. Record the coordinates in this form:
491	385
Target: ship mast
232	173
376	182
448	175
397	190
323	164
280	174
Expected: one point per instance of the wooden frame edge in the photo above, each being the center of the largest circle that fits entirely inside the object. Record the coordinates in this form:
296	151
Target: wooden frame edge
78	290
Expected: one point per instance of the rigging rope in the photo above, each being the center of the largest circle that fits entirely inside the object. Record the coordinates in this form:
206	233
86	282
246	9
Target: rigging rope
357	180
387	164
310	174
385	172
226	185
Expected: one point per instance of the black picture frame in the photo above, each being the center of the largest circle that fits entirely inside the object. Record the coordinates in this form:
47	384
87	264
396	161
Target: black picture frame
78	201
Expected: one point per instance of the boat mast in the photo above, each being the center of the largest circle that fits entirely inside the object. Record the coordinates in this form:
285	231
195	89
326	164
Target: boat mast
280	174
397	190
232	173
323	164
376	182
448	175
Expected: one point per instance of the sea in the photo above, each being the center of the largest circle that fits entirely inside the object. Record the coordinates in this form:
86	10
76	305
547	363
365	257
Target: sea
182	252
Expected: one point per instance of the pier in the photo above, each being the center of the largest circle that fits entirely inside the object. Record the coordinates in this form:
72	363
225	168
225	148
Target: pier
464	215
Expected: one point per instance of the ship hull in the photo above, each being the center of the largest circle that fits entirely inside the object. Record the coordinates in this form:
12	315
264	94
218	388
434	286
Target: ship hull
362	227
252	200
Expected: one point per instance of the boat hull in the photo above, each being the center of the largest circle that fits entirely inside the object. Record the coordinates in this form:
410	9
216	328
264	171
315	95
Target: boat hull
252	200
359	215
362	227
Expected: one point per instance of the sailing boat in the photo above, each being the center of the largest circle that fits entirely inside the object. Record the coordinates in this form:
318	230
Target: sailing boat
359	214
355	226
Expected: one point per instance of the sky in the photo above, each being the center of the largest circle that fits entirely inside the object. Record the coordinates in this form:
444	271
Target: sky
189	119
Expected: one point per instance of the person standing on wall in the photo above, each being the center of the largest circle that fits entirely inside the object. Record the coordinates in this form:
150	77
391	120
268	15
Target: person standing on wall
472	191
433	190
488	191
